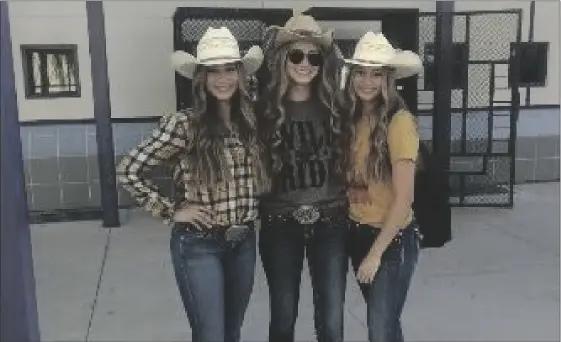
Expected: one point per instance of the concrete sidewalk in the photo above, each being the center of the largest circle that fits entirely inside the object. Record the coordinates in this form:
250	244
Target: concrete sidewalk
497	281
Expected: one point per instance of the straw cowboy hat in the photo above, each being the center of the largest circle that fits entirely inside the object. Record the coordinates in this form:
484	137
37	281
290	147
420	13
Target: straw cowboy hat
373	49
301	27
216	47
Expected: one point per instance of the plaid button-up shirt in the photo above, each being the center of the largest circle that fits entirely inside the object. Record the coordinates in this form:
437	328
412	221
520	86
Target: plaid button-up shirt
232	202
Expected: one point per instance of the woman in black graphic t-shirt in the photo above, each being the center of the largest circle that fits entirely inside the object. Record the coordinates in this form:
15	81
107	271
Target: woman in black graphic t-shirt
306	210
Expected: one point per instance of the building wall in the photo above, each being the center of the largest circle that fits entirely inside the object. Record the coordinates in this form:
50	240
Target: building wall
547	29
139	41
61	158
52	22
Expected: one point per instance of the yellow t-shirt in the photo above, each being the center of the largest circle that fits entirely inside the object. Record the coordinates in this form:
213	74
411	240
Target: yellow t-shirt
372	204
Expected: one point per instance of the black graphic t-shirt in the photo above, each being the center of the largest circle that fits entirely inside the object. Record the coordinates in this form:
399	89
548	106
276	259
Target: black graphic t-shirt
307	175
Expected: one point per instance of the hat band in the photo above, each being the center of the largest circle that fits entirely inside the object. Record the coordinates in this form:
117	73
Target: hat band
306	33
210	59
369	61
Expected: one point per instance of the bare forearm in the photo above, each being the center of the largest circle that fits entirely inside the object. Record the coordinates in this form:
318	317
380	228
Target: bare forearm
398	213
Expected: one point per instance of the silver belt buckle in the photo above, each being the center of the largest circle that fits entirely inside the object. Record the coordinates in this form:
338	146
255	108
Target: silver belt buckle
306	214
236	232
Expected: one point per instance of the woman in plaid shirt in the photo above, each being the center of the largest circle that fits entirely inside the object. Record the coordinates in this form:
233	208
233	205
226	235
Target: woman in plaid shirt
217	163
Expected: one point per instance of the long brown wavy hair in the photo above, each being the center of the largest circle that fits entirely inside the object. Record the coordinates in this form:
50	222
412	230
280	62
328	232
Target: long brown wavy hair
207	154
386	104
323	89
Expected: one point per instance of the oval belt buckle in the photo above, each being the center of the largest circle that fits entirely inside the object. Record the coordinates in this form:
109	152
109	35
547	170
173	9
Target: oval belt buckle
306	214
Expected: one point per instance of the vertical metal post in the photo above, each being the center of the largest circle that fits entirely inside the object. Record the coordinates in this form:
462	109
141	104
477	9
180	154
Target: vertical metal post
514	78
18	304
532	19
531	39
443	62
102	114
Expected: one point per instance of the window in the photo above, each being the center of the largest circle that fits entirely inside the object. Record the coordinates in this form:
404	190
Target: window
532	71
459	66
50	71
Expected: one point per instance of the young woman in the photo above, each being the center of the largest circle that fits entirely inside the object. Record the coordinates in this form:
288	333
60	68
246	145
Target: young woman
217	163
306	211
380	155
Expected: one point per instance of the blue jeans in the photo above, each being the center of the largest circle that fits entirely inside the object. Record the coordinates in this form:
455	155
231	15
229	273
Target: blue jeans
282	246
385	296
215	280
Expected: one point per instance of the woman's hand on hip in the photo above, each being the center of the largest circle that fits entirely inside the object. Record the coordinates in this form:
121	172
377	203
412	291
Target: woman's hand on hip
196	215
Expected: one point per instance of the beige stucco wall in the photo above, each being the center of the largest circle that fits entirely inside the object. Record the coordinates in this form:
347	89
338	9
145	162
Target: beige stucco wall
140	43
547	29
51	22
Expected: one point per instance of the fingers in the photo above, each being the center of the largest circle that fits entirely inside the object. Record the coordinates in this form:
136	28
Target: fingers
365	275
205	210
200	217
361	277
195	207
203	217
364	279
203	221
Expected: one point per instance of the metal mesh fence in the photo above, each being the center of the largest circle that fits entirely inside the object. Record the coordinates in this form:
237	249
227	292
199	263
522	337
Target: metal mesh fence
244	30
481	103
490	35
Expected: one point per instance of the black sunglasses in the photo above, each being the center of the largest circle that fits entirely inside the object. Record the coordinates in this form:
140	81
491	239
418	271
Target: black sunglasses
296	56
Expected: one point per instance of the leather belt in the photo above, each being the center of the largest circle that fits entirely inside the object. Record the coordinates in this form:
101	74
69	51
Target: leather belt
233	232
307	214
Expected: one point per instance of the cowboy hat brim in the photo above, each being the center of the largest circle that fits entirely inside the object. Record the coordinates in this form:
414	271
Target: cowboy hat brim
185	64
404	64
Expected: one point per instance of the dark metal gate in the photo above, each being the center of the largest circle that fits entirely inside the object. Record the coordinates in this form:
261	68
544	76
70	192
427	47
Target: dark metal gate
484	101
484	95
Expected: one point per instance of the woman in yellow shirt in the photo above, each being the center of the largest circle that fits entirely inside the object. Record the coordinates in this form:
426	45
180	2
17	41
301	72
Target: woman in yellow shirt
381	152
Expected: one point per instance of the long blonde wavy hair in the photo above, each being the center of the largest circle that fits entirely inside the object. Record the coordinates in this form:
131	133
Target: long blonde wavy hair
324	89
386	104
208	155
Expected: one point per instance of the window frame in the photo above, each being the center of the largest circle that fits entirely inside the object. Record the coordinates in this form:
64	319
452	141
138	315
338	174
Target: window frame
71	50
542	67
